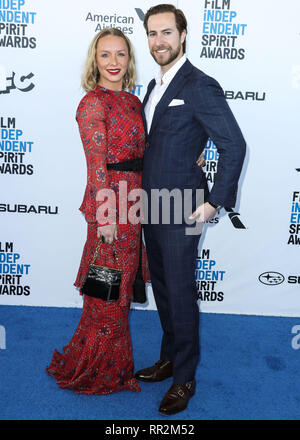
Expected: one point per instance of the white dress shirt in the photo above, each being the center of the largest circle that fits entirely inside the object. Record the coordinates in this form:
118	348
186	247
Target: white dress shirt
162	82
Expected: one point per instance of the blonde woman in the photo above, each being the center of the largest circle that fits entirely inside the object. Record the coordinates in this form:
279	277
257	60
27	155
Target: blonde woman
98	359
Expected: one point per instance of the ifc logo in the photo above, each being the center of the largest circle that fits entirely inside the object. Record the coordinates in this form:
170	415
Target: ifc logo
271	278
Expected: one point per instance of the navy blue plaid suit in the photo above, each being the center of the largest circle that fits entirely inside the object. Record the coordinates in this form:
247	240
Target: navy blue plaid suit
177	136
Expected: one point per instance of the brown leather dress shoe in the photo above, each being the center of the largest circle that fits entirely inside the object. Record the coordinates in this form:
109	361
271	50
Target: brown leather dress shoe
177	398
161	370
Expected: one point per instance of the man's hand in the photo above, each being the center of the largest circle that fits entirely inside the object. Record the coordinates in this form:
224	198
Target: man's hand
204	213
200	161
108	232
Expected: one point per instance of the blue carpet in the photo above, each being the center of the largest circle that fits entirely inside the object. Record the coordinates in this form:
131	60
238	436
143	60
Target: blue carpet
248	369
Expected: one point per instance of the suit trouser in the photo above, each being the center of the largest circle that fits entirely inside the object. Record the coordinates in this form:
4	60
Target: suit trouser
172	261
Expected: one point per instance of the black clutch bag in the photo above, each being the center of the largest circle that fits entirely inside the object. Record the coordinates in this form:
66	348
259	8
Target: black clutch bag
101	281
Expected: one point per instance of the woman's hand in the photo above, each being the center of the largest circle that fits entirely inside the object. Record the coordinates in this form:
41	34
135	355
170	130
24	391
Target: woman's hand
108	233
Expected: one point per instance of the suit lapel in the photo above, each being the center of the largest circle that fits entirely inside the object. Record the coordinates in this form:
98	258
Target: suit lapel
173	88
145	100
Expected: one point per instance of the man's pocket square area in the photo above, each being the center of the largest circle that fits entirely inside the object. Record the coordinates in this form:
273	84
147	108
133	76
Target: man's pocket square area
176	102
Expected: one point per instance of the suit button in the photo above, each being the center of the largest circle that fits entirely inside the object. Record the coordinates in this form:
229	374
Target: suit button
147	144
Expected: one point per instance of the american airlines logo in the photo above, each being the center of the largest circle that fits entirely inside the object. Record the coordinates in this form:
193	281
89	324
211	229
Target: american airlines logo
140	14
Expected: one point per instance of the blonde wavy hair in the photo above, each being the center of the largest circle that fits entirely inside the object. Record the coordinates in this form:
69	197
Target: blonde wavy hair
91	76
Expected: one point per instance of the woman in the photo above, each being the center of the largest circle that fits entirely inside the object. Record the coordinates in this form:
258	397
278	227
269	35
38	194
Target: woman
98	359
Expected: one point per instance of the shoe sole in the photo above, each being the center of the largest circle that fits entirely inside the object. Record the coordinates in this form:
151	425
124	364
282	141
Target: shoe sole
151	380
170	413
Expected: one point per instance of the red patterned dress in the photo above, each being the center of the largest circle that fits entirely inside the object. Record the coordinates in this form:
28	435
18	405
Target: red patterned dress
98	359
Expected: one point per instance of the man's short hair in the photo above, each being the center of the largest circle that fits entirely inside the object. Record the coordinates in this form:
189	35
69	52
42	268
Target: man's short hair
180	19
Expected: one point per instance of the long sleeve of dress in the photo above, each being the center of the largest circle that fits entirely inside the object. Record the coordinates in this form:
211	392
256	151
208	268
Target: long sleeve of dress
91	120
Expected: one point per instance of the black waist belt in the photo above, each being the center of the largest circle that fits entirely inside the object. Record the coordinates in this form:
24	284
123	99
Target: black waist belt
134	165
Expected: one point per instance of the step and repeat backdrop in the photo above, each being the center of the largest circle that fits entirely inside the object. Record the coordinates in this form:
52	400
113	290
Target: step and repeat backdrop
248	260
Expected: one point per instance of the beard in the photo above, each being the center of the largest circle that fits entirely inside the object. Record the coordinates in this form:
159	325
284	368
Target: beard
173	54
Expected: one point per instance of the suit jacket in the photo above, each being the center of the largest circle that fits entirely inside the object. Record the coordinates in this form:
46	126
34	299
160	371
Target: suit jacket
178	135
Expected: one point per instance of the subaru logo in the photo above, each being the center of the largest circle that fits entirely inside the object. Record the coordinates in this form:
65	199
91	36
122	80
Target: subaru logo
271	278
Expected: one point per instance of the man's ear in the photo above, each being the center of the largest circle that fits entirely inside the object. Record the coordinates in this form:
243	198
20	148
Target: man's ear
183	36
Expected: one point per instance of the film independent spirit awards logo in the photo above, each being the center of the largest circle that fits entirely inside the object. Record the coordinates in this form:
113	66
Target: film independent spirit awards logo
16	23
275	278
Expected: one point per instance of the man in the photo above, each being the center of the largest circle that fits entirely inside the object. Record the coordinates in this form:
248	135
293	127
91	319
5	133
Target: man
183	107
